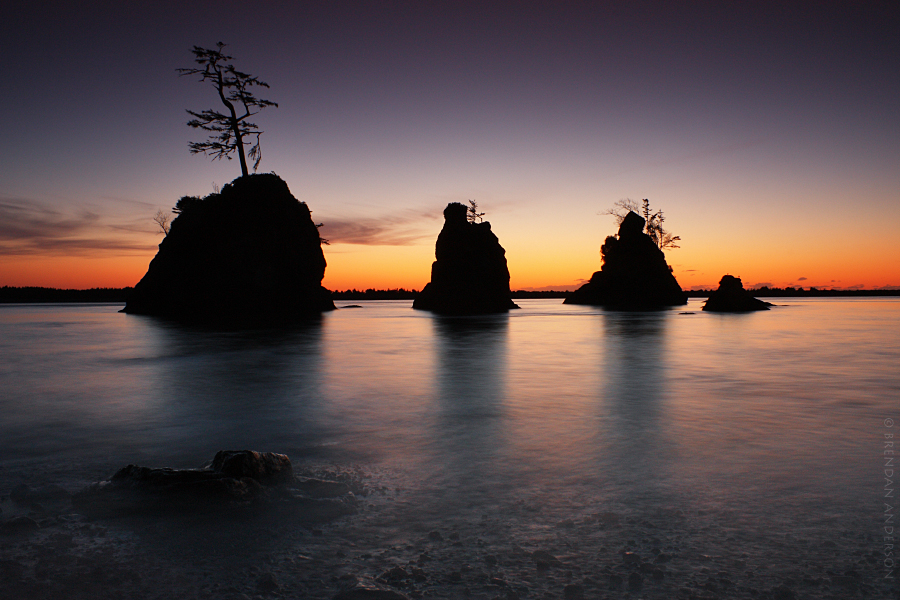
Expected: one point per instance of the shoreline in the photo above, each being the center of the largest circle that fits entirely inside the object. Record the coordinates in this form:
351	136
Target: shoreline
400	544
42	295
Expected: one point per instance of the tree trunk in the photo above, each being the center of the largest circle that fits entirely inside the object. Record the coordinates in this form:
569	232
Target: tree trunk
239	142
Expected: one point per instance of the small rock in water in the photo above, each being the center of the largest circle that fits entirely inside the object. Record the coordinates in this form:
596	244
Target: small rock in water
573	591
19	525
20	493
267	583
630	558
608	519
393	575
783	592
436	536
542	556
615	582
635	582
266	467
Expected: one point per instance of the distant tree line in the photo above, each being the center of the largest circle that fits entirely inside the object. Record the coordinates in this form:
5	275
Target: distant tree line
28	295
34	295
372	294
792	292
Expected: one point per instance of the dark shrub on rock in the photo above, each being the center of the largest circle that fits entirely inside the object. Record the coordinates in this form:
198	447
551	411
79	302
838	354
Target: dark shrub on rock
634	274
732	297
250	253
469	275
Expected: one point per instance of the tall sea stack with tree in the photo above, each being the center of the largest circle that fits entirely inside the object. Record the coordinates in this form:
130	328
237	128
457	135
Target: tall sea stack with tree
249	253
634	274
469	275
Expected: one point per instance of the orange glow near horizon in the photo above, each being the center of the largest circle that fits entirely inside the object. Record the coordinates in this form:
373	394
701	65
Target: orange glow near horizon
72	272
389	267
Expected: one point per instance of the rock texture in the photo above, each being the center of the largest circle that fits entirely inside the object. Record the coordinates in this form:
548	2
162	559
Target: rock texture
732	297
248	253
469	275
634	274
233	477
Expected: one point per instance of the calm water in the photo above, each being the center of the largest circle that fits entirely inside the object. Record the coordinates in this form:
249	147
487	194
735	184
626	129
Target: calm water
773	417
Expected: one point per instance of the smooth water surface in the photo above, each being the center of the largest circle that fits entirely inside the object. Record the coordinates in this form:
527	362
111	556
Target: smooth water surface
774	417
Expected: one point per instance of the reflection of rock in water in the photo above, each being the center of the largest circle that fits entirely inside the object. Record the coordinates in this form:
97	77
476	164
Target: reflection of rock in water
634	364
471	360
634	275
239	389
732	297
633	430
471	378
469	275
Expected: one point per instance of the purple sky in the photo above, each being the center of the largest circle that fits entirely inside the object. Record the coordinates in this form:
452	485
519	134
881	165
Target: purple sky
735	118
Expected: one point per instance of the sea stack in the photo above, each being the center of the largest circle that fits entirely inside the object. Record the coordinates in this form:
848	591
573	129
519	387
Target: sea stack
469	275
732	297
634	274
248	254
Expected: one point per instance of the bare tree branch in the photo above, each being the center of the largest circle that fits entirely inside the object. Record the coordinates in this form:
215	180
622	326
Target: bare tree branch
162	219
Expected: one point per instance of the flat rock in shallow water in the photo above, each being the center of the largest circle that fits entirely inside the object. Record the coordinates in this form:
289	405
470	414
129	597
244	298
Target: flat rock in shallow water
232	479
732	297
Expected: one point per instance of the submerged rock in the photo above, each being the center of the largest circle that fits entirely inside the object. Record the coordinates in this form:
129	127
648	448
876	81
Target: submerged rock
20	525
249	253
266	467
469	275
634	274
732	297
232	477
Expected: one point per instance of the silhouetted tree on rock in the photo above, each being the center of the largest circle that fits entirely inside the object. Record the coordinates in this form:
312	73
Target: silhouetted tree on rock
634	274
250	253
653	221
227	130
732	297
469	275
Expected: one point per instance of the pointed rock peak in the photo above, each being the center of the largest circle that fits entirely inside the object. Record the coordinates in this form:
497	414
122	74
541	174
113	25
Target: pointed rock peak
632	224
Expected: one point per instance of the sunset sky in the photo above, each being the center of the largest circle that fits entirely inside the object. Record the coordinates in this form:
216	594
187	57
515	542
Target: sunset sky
768	132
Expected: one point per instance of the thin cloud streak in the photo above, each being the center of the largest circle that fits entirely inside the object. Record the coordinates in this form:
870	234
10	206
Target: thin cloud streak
377	231
28	228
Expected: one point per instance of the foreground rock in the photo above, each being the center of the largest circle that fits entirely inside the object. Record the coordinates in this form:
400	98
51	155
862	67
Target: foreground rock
469	275
250	253
234	479
732	297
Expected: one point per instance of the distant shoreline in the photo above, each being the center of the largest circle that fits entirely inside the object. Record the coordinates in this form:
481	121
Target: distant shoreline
30	295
